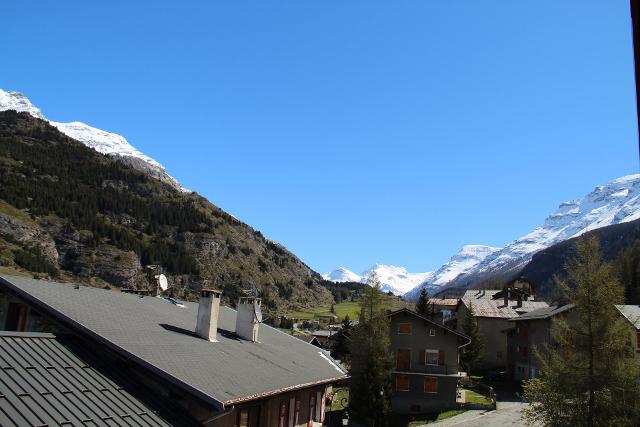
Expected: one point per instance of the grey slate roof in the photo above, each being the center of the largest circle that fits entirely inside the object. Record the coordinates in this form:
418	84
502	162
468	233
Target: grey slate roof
631	313
544	313
431	321
158	335
485	306
45	382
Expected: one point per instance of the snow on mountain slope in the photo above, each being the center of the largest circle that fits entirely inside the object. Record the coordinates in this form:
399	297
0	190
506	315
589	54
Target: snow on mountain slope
342	274
615	202
460	264
395	279
104	142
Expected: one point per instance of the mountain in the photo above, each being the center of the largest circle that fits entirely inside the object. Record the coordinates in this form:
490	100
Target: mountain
613	203
102	141
74	214
342	274
468	258
396	280
551	262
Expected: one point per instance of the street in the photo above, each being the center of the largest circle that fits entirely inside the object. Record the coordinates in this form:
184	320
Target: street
507	414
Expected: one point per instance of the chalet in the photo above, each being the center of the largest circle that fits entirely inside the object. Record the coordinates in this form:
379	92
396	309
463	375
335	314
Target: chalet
632	314
493	309
75	355
426	363
445	308
309	339
530	332
323	336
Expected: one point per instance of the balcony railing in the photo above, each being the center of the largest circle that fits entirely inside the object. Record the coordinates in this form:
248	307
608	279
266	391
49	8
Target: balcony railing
429	369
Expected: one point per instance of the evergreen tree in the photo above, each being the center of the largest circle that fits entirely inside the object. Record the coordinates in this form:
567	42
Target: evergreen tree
628	268
472	352
371	359
341	350
422	305
589	376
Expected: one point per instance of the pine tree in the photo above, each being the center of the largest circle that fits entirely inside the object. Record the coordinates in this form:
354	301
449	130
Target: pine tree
422	305
589	375
371	359
472	352
341	350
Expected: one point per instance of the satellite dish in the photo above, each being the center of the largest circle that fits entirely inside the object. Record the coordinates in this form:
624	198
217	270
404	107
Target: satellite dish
162	282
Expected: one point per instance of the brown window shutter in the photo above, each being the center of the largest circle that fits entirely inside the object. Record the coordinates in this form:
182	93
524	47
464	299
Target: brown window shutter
423	357
441	357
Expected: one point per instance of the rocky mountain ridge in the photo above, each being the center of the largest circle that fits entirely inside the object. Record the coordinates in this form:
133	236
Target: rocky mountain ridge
102	141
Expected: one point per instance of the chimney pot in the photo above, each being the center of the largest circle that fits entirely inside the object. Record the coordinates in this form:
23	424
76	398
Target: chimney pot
248	318
208	313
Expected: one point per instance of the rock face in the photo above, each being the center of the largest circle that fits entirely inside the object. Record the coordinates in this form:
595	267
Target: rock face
27	233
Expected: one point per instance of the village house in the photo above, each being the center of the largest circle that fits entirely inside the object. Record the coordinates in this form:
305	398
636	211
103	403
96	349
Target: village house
530	332
632	314
79	355
444	307
427	358
493	309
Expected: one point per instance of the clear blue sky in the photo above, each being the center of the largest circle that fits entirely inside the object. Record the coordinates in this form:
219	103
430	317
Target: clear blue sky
353	132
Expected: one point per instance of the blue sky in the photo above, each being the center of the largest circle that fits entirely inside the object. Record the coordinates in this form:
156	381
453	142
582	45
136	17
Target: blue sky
352	132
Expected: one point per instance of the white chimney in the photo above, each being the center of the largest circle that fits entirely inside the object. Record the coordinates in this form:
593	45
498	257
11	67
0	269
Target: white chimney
248	318
208	312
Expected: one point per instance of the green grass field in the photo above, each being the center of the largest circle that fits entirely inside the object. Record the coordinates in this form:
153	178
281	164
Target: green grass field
351	308
441	416
340	399
473	397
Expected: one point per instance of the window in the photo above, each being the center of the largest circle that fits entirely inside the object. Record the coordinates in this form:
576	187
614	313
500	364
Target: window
499	354
405	328
430	384
432	332
402	382
414	408
524	351
403	359
638	341
432	357
296	412
16	317
249	417
312	406
283	420
243	418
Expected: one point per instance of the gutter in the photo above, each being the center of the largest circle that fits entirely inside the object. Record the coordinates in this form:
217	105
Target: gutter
283	390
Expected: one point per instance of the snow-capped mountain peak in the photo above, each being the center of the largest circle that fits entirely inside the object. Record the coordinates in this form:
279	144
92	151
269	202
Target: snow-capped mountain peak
342	274
392	278
615	202
102	141
461	263
10	100
395	279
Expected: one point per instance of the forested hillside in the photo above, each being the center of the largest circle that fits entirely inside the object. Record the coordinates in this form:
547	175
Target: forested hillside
71	213
619	244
